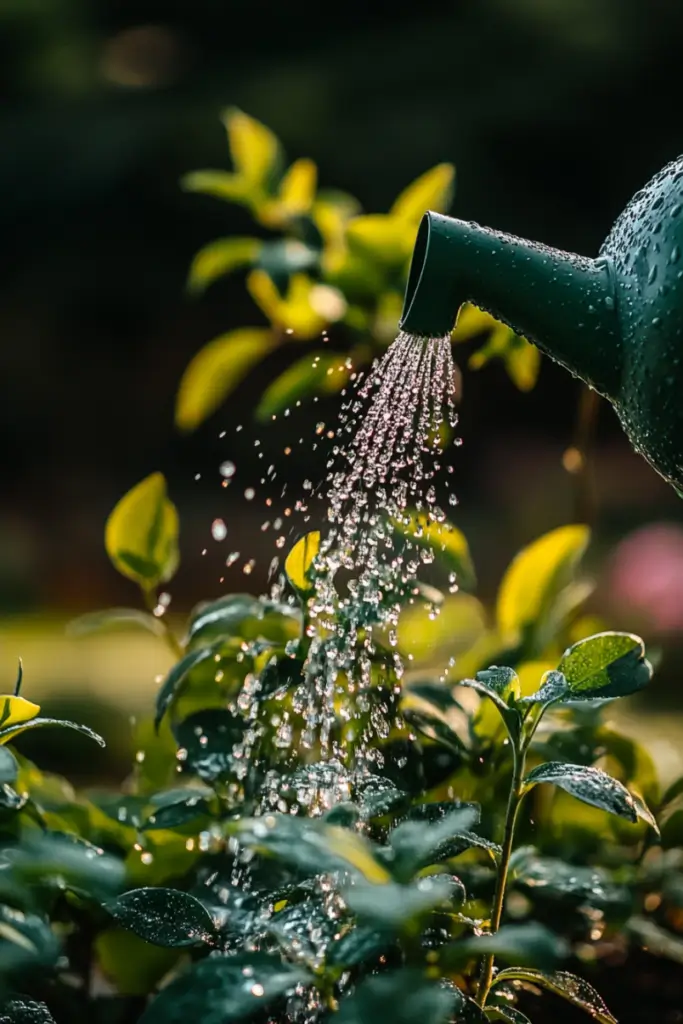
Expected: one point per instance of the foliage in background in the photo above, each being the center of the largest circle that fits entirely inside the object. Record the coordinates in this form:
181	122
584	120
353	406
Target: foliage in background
410	886
334	274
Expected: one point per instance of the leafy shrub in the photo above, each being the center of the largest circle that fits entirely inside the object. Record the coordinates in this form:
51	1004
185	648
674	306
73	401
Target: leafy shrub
240	877
332	275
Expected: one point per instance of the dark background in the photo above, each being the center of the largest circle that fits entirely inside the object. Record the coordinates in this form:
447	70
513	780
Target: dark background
554	111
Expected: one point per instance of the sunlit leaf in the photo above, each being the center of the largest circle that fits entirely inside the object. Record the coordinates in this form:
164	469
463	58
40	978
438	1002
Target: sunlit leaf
177	807
164	917
553	878
305	310
141	534
554	687
322	375
8	734
381	237
219	184
216	371
299	562
243	617
417	844
500	685
431	191
295	197
15	711
225	988
175	678
588	784
509	1014
448	543
390	907
609	664
221	257
536	576
255	150
575	990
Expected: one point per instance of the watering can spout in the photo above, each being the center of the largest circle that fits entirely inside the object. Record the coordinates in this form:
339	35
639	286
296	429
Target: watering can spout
565	304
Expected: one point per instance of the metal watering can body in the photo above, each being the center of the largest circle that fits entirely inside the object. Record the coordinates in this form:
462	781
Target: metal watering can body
615	321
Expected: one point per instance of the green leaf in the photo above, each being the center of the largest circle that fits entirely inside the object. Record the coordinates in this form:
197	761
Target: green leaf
221	257
377	796
500	680
390	907
255	150
575	990
216	371
93	622
219	184
177	807
606	665
310	846
16	711
284	257
554	878
9	769
225	988
320	375
436	728
590	785
245	617
361	945
448	543
62	861
553	687
25	1011
141	534
431	191
418	844
404	997
26	941
499	685
299	563
134	966
435	693
172	684
164	917
536	577
206	741
8	734
507	1013
280	674
521	944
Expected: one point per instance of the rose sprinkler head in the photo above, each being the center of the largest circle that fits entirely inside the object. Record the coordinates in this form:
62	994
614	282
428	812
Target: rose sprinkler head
615	321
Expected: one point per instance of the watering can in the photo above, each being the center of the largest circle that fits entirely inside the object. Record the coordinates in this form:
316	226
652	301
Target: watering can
615	321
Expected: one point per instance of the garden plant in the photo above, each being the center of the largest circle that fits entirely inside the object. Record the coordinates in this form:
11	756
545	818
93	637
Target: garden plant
488	835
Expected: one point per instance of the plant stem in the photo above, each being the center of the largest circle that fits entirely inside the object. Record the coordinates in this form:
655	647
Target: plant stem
514	801
150	597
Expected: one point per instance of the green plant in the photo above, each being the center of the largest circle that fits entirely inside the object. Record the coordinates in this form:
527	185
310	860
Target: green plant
241	875
334	275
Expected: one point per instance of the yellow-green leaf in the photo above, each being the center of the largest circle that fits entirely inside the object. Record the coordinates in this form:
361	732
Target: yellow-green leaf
300	560
446	541
305	310
133	965
296	195
16	710
141	535
381	237
221	257
536	576
219	184
255	150
431	191
322	374
523	363
216	370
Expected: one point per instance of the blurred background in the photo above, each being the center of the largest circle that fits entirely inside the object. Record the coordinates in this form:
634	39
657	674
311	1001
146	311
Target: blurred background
554	112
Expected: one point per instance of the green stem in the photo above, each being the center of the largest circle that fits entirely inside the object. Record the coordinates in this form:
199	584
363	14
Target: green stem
150	598
514	800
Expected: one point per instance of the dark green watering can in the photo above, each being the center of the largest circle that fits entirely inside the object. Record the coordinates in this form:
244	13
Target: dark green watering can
615	321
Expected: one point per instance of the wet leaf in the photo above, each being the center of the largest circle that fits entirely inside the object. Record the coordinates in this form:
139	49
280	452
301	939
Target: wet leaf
141	534
436	728
299	563
417	844
172	684
507	1013
26	941
112	618
500	686
590	785
448	543
554	878
221	257
361	945
404	997
177	807
310	846
529	943
390	907
536	577
575	990
377	796
206	741
431	191
435	693
215	372
8	734
25	1011
61	861
608	664
243	617
280	674
164	917
554	687
217	989
325	375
